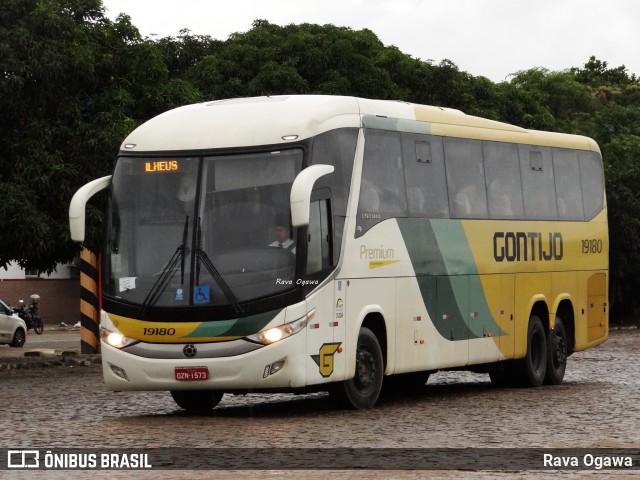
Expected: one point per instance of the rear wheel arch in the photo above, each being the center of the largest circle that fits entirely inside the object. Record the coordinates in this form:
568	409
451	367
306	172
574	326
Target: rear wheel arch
541	309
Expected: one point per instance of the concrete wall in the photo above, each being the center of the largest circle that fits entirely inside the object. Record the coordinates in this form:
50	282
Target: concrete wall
59	298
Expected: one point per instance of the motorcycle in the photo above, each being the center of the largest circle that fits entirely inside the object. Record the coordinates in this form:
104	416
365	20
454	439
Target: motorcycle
30	314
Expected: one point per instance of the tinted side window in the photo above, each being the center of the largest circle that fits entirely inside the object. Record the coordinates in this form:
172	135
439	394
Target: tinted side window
592	181
425	176
538	184
382	192
566	170
337	148
319	248
465	178
504	184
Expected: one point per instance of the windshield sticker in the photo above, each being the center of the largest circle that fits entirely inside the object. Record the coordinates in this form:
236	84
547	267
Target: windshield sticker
201	294
127	283
179	295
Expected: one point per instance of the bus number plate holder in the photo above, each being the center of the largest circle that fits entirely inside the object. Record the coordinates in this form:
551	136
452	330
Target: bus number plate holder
191	374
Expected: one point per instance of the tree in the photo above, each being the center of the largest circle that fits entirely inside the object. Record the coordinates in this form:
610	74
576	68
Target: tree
73	85
622	172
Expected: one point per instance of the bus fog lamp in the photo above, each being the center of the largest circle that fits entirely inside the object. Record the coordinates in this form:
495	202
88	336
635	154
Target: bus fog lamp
277	366
120	372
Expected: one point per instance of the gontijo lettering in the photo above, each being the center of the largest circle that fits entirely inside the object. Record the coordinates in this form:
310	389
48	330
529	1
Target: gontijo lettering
527	246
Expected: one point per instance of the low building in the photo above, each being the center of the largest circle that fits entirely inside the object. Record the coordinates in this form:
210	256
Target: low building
59	292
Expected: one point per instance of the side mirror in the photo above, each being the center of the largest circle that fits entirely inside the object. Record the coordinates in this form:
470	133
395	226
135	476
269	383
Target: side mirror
78	205
300	198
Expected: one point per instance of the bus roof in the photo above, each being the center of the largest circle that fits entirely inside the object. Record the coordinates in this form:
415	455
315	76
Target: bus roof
246	122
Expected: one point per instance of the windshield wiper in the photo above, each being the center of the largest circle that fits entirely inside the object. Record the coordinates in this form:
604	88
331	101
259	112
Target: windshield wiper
167	272
213	271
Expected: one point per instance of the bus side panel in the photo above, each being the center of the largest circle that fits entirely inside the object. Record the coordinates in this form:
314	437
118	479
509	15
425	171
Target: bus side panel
597	307
565	288
593	325
506	316
484	319
322	341
413	328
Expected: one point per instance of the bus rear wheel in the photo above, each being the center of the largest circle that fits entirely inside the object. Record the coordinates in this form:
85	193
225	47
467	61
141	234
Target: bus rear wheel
197	400
363	390
557	353
533	367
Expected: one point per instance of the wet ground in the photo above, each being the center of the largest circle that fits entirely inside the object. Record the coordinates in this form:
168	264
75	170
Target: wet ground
597	406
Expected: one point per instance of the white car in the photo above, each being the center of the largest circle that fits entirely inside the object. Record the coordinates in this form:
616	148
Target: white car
13	330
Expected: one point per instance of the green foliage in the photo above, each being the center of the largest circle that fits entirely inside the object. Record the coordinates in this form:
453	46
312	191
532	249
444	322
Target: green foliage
74	84
622	172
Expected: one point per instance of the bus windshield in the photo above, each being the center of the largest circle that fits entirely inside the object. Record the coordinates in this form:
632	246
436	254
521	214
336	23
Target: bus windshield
201	231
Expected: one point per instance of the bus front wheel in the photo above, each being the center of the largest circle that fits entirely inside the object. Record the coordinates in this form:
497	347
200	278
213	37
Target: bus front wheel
197	400
363	390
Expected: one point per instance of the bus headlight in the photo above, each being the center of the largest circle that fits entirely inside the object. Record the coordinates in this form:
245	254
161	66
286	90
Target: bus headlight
272	335
115	338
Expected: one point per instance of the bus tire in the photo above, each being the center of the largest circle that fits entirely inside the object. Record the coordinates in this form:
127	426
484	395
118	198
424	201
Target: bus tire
197	400
363	390
557	353
533	367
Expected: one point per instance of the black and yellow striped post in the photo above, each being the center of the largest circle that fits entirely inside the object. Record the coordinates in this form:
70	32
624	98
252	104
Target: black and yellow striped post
89	306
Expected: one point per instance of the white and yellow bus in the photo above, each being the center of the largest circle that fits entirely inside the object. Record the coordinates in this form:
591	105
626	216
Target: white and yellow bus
308	243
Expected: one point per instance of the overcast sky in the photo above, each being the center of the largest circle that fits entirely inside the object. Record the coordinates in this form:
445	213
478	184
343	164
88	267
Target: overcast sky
492	38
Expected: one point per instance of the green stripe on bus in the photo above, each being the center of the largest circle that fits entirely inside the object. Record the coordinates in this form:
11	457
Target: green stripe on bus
237	327
448	278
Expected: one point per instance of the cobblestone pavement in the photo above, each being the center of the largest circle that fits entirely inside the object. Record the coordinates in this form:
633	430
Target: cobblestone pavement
597	406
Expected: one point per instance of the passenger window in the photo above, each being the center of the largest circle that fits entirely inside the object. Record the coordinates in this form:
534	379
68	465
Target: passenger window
566	170
591	179
425	176
382	191
465	178
538	184
504	185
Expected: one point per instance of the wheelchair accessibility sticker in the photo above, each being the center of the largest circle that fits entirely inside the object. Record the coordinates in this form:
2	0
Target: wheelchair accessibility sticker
201	294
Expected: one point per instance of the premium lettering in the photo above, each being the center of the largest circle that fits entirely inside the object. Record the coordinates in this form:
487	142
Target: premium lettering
376	253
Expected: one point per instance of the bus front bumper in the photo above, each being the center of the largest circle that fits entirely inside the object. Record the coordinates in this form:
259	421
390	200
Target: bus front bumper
279	366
